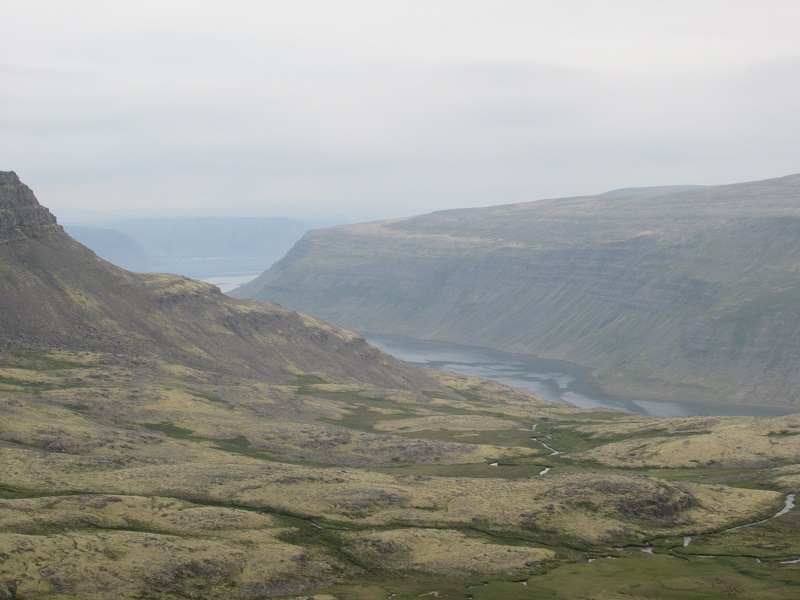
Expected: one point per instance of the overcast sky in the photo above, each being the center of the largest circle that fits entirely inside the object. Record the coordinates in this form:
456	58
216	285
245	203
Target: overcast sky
374	108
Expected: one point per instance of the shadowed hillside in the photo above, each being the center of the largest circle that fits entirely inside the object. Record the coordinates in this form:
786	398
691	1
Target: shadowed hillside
56	293
670	293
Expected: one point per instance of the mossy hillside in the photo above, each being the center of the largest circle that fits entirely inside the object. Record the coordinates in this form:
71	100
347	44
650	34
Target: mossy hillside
149	547
704	441
150	448
445	552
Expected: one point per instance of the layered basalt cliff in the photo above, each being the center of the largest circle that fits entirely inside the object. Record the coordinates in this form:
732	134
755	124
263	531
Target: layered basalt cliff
690	295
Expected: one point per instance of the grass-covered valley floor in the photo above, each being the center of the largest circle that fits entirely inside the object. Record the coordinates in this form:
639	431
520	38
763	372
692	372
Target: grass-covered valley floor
150	479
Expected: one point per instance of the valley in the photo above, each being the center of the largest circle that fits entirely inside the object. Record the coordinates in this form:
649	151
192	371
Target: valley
161	440
200	247
161	484
666	294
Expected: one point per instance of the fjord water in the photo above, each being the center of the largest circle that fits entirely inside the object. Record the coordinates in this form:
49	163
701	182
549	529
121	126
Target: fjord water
553	380
230	281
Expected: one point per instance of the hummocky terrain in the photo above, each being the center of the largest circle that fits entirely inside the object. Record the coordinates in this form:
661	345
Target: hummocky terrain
673	293
161	440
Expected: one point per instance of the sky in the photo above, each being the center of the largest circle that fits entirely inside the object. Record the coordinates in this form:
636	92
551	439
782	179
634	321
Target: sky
368	109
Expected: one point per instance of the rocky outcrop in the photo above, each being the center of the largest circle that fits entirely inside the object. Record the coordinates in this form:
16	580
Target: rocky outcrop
21	215
690	295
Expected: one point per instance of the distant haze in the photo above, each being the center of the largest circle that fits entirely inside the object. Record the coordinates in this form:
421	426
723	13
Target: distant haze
368	109
196	247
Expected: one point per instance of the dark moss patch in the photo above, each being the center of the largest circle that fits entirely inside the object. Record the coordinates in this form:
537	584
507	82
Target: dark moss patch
520	468
170	430
41	361
437	395
210	397
241	445
303	381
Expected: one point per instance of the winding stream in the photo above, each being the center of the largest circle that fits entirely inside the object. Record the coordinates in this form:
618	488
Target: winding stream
788	506
553	451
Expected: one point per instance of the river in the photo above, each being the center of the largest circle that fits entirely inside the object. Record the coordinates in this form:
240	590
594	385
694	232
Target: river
554	380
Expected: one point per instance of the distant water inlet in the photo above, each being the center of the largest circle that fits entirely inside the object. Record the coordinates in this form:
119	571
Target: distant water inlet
554	380
230	281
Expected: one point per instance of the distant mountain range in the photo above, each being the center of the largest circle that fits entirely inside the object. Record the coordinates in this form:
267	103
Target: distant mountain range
668	293
196	247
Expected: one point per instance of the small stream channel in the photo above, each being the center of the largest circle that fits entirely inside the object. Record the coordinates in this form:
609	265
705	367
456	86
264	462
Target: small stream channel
788	505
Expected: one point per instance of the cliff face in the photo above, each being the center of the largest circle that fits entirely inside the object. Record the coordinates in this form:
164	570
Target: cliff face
55	293
21	216
687	295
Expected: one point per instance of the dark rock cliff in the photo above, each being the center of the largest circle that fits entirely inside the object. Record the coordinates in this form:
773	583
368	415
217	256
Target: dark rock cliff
21	215
691	295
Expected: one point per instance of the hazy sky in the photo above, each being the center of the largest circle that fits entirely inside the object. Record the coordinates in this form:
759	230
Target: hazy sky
380	108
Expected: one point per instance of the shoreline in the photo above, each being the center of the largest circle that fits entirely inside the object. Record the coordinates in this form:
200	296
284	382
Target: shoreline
552	379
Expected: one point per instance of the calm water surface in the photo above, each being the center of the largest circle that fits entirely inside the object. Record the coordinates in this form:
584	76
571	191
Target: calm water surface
554	380
230	281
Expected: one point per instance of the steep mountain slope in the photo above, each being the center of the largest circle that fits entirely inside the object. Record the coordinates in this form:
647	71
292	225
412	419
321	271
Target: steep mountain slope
55	293
691	294
159	440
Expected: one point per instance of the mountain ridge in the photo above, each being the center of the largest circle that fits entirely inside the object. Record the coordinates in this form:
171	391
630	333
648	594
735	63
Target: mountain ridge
54	292
686	295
